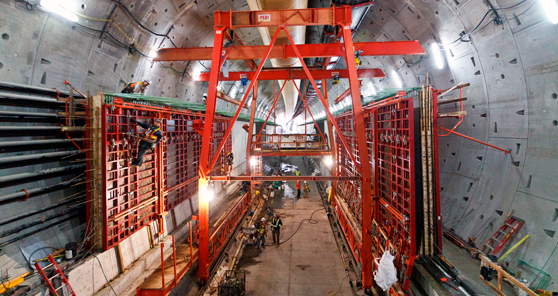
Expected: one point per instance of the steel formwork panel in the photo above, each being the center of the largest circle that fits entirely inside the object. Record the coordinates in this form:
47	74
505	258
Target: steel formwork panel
389	130
125	188
396	181
131	194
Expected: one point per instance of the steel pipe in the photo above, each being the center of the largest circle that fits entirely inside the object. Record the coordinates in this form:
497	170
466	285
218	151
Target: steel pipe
15	177
42	210
36	191
36	156
29	114
5	243
36	142
39	221
30	128
28	88
27	97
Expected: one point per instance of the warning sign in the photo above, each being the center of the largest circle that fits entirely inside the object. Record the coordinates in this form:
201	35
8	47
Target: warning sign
264	18
243	75
333	74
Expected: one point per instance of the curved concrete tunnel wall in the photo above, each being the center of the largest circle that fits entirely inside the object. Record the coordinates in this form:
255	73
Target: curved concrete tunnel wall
511	101
42	49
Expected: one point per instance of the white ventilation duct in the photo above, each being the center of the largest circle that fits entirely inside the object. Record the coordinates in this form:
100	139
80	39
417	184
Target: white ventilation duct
290	94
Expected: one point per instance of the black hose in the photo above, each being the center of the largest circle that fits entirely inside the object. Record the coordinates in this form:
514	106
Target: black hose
310	221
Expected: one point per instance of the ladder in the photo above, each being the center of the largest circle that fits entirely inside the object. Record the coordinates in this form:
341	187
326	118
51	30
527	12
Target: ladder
57	273
502	236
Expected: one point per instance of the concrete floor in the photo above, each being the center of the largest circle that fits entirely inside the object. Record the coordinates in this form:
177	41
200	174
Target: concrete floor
307	264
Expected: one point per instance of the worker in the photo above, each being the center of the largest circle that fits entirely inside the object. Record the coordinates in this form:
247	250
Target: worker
298	189
261	233
230	160
276	224
297	172
152	136
136	87
306	190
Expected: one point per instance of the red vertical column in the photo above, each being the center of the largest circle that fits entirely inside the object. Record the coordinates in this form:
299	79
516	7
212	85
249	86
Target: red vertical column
358	114
203	197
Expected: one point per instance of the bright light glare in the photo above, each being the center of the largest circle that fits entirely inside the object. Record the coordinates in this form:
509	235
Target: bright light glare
551	10
253	161
196	75
281	119
396	78
437	56
57	7
328	161
152	54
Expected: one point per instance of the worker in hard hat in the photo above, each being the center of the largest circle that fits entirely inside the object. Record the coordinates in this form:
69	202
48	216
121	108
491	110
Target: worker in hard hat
276	224
261	233
136	87
230	160
297	172
150	138
306	190
298	189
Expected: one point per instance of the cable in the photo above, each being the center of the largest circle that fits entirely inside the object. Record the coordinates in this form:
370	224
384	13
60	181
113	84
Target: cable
310	221
460	39
338	288
28	5
101	265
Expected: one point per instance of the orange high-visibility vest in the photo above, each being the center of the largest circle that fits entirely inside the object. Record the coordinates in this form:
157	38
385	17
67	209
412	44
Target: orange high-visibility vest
150	134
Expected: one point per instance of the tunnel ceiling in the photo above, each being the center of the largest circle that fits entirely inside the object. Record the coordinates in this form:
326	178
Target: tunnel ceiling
510	59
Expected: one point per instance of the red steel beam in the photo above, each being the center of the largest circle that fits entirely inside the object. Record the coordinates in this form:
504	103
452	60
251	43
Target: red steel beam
290	153
250	63
367	280
295	74
283	178
412	47
283	17
228	99
347	92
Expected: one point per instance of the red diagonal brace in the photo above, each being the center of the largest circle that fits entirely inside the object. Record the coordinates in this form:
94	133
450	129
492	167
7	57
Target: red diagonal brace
233	120
308	108
268	115
329	116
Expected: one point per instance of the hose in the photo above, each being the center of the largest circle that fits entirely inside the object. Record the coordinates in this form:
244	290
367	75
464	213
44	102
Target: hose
310	221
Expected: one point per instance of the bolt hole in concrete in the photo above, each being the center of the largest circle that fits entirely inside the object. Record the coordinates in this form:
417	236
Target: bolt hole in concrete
497	55
83	6
473	106
1	65
474	125
482	216
5	36
132	6
491	197
555	122
554	96
502	76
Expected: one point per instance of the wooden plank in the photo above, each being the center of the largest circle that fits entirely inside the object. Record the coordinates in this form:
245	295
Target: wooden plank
449	101
453	114
77	101
119	258
73	128
80	113
492	286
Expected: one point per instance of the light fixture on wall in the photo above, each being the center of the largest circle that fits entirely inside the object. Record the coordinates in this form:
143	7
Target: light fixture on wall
396	78
253	161
437	56
152	54
551	9
328	161
59	7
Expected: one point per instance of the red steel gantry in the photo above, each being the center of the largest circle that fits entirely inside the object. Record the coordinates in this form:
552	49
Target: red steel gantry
335	16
